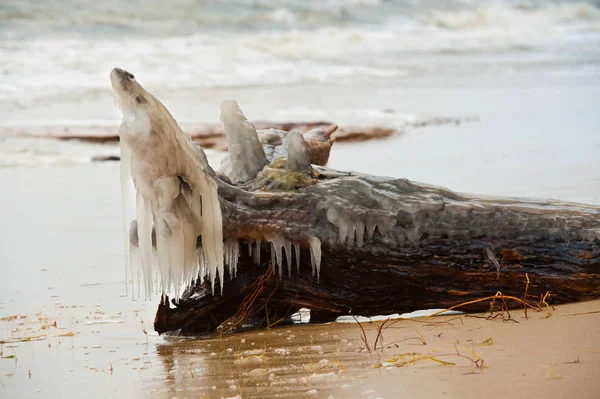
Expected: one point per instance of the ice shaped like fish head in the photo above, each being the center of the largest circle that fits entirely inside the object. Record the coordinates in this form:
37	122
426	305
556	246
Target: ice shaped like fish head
129	94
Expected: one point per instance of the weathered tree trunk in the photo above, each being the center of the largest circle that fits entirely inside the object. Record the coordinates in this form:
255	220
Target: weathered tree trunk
295	236
390	245
374	245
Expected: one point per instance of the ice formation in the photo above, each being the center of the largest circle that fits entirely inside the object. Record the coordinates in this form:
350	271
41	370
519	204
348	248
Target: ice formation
246	154
176	196
232	253
315	255
352	225
281	245
298	157
357	215
176	199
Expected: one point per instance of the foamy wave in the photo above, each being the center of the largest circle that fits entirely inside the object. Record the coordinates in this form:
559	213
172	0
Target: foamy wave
365	40
502	16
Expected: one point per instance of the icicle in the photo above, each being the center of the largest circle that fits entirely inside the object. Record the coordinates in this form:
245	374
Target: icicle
155	278
134	261
144	218
278	242
245	151
227	254
176	258
351	228
132	245
212	233
360	233
279	258
236	255
201	263
136	272
162	252
315	255
298	158
352	225
288	256
232	251
333	215
371	225
297	251
204	191
125	182
273	258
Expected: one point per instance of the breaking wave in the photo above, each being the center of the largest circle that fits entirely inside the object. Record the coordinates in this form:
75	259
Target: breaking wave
50	50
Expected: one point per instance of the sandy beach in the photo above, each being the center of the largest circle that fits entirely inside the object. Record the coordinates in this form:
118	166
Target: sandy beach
493	99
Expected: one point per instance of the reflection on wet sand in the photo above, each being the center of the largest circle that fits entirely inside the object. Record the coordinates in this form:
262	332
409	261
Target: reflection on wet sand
283	362
466	356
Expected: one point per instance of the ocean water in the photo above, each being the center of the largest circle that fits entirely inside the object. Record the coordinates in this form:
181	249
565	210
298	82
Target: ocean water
55	56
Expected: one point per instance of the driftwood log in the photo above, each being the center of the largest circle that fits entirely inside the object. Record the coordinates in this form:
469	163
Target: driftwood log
361	245
387	245
212	136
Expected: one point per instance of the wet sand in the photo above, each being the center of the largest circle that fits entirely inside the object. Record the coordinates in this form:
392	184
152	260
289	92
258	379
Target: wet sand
557	356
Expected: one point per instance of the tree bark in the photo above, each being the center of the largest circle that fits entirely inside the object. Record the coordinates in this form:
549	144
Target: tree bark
431	248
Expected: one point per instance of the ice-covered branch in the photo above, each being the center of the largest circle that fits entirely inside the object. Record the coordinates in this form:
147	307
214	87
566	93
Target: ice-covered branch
359	243
176	195
298	158
245	154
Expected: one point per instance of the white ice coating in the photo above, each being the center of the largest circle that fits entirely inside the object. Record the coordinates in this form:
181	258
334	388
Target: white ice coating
297	252
281	245
315	255
352	229
176	197
363	208
159	158
232	253
298	157
125	184
246	156
134	273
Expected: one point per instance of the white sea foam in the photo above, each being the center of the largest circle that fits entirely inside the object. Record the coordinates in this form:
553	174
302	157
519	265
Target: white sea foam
62	55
